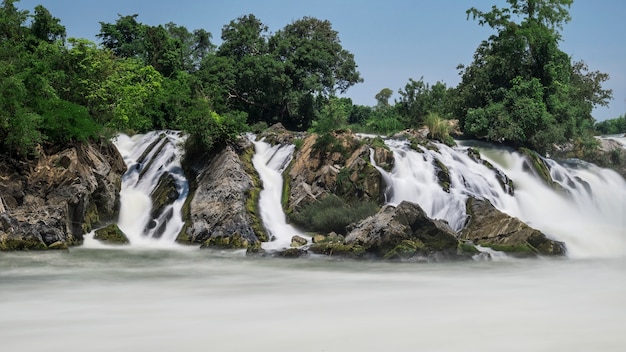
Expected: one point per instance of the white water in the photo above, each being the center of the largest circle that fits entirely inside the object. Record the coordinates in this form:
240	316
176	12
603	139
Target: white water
590	219
140	180
270	162
200	300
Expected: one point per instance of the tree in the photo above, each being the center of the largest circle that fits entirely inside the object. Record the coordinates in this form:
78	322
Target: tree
124	37
46	27
382	98
521	89
419	98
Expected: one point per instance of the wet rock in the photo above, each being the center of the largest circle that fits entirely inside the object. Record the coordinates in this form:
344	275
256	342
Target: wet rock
111	234
218	214
489	227
405	232
298	241
59	197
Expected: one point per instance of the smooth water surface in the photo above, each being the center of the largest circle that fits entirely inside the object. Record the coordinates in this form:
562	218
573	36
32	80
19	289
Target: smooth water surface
189	299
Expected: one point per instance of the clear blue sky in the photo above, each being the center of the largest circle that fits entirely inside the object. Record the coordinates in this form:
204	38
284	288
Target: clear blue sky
392	40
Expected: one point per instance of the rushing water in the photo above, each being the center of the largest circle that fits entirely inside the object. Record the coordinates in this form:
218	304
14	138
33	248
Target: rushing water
142	298
201	300
588	213
148	158
270	162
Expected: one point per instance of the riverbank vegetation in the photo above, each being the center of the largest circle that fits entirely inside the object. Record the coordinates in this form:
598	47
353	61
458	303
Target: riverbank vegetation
521	89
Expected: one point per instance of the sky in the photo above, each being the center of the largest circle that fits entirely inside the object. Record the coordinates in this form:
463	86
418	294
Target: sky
392	40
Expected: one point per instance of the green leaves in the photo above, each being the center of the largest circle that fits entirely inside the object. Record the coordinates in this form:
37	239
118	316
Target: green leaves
521	88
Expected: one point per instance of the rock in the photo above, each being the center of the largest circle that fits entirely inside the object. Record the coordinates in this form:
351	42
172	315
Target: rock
232	241
290	253
59	197
317	238
111	234
218	214
505	182
405	232
298	241
333	164
490	227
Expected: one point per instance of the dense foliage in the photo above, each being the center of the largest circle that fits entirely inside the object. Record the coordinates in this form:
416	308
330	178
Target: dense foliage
612	126
521	89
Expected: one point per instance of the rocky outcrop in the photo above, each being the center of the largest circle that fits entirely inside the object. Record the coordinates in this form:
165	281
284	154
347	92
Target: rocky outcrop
338	164
111	234
404	232
57	198
490	227
218	207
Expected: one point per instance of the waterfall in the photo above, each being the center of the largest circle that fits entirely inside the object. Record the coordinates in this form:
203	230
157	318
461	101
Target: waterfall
417	177
586	211
270	162
151	159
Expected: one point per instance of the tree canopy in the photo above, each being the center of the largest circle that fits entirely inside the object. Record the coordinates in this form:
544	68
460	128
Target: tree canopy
520	89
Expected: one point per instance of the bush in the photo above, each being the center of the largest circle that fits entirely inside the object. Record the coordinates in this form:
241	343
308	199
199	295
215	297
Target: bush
439	129
332	214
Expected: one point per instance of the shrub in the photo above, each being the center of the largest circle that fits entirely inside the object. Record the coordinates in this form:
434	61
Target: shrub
332	213
438	128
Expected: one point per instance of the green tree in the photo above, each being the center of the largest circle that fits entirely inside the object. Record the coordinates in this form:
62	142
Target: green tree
46	27
382	98
521	89
419	98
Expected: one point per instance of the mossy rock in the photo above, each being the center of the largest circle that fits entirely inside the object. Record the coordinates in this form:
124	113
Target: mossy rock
111	234
443	175
253	194
404	250
236	241
22	244
338	249
92	217
291	253
520	250
164	194
538	166
467	248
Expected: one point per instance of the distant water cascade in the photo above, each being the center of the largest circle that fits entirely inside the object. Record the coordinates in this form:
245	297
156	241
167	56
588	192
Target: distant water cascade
270	162
151	158
587	210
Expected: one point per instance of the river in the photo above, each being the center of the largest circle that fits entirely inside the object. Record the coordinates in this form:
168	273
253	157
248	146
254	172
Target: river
187	299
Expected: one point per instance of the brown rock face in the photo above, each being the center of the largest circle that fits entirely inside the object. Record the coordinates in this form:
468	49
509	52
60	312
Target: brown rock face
59	197
490	227
334	164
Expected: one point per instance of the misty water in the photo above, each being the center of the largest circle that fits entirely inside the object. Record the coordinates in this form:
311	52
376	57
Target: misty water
155	295
201	300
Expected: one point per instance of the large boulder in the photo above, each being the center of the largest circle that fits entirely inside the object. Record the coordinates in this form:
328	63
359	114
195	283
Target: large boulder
404	232
489	227
218	205
58	197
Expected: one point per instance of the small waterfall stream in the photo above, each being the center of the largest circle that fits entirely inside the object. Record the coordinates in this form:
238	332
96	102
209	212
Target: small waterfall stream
589	214
150	158
270	162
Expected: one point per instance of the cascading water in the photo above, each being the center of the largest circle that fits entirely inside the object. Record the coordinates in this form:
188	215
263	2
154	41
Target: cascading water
587	211
150	158
415	178
270	162
588	214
